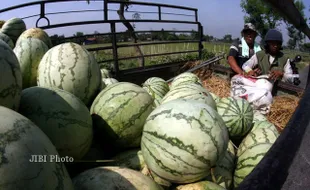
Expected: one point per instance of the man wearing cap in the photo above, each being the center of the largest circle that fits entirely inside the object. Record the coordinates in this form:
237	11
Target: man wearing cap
242	50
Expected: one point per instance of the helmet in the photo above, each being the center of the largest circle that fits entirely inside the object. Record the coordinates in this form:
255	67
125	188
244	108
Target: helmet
274	35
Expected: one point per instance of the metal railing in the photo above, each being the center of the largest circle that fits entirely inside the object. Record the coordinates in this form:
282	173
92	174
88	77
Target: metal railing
113	32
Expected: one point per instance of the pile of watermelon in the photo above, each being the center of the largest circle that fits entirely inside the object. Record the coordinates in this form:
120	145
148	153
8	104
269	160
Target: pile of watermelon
55	101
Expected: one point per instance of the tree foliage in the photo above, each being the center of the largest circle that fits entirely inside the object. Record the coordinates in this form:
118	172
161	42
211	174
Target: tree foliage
262	15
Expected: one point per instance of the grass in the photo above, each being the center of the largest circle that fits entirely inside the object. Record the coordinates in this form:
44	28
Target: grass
210	49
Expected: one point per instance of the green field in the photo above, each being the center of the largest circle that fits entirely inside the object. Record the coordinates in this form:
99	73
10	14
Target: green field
210	49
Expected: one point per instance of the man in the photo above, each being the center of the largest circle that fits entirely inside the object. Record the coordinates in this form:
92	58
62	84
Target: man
240	51
271	61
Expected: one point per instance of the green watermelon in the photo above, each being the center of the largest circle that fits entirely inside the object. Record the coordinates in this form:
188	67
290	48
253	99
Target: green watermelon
202	185
215	97
190	91
185	78
61	116
222	174
119	112
132	159
264	124
7	39
157	88
238	116
10	78
109	81
259	135
182	139
71	67
20	141
160	181
13	27
258	116
248	160
29	52
37	33
113	178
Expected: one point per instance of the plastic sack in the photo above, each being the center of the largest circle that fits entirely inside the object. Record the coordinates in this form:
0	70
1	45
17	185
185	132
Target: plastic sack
256	90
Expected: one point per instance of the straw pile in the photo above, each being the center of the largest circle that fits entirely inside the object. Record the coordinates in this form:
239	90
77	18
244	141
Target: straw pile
282	108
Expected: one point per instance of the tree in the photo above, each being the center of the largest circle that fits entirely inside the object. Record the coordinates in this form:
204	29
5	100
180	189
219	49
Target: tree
227	38
135	16
295	35
262	15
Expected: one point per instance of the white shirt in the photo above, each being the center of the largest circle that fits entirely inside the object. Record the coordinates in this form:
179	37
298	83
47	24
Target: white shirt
288	72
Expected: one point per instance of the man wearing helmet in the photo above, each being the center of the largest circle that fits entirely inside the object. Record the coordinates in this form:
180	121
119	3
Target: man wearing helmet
271	61
240	51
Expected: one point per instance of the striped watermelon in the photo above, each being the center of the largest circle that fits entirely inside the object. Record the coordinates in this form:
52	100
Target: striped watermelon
185	78
215	97
132	159
10	78
222	174
13	27
109	81
20	140
238	116
190	91
61	116
113	178
182	140
37	33
202	185
29	53
260	135
119	112
264	124
70	67
157	88
6	39
160	181
248	160
258	116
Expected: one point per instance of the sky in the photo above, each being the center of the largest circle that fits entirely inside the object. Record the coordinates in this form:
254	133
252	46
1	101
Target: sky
217	17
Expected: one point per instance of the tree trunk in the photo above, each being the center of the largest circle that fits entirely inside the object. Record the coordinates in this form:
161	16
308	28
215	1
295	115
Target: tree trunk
131	30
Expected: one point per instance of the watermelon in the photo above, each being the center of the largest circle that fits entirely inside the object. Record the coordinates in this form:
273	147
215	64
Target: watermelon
105	73
7	39
20	141
70	67
215	97
132	159
182	139
113	178
258	116
14	27
37	33
119	112
190	91
162	182
185	78
248	160
157	88
260	135
238	116
264	124
29	53
109	81
61	116
202	185
10	78
222	174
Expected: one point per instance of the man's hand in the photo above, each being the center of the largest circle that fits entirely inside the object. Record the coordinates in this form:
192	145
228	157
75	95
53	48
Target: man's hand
254	72
275	75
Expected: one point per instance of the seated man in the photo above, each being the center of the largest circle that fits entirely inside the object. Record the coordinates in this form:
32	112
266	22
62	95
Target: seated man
272	64
240	51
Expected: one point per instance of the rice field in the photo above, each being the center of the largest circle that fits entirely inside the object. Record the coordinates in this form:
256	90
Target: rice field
210	49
